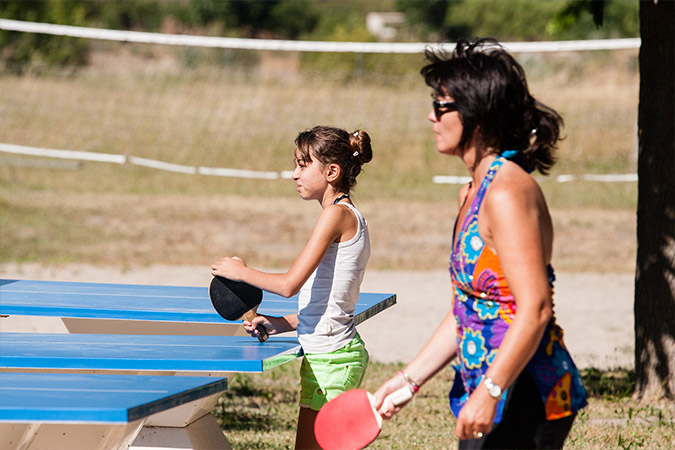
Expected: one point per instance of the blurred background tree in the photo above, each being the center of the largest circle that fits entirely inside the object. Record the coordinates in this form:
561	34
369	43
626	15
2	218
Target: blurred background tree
17	49
331	20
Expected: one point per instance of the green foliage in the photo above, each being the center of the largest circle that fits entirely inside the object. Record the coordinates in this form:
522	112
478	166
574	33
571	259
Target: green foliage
331	20
342	26
425	18
521	20
139	15
606	19
512	20
26	51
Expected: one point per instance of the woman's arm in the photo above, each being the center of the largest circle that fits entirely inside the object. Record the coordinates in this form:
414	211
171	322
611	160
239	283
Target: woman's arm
332	221
436	354
516	224
440	349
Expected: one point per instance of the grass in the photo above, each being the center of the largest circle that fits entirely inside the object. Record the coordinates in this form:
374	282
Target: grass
268	417
129	103
228	117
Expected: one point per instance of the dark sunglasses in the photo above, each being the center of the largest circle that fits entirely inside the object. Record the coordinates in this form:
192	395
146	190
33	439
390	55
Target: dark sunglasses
441	107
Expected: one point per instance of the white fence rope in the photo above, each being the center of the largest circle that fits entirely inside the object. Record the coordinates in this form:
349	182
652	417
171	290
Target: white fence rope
135	160
279	45
242	173
296	46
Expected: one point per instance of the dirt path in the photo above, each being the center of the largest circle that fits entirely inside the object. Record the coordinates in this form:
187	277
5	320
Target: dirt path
595	310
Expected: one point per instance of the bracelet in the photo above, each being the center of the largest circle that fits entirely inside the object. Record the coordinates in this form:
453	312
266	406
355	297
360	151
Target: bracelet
410	381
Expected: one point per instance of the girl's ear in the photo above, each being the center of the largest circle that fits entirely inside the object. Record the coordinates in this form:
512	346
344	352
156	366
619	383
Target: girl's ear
333	172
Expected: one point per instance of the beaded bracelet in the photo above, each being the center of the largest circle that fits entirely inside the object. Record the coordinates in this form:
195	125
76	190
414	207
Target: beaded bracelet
410	381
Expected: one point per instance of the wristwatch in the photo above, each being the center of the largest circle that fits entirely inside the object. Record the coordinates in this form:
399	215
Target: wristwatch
493	388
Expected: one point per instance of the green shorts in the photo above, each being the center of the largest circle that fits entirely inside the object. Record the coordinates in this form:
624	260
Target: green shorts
324	376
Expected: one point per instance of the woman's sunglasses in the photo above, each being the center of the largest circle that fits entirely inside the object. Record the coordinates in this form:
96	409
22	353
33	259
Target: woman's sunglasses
441	107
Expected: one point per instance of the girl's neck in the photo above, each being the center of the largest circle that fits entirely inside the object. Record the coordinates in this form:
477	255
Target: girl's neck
340	197
334	198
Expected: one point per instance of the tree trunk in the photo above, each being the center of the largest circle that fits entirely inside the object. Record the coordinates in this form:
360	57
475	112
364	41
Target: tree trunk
655	271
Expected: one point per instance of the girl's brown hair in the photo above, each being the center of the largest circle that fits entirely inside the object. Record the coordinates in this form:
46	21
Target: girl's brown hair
331	145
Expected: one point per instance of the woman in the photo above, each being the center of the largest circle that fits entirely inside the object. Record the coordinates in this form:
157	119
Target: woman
515	384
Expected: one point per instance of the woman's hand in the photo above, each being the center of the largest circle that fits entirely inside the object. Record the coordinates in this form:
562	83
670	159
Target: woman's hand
228	268
395	383
477	415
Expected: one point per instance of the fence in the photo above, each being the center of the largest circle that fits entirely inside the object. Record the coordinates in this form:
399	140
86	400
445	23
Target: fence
273	46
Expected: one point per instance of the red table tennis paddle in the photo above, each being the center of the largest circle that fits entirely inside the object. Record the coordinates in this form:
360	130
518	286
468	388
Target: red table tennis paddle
235	300
350	421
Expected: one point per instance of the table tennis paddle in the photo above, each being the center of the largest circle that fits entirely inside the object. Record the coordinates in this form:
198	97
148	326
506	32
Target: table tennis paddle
350	421
235	300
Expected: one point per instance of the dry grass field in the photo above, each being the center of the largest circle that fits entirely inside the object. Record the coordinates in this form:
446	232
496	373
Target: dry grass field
132	229
56	211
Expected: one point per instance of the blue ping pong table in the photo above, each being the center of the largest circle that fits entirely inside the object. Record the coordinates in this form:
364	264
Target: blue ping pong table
54	411
174	331
144	354
139	309
158	357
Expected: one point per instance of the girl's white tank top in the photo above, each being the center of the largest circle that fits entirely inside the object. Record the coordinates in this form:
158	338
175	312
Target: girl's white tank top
327	300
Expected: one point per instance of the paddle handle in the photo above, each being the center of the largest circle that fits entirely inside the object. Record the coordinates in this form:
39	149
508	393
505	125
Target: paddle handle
250	315
397	398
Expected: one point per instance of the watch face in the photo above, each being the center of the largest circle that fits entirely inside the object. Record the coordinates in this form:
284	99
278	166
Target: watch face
493	389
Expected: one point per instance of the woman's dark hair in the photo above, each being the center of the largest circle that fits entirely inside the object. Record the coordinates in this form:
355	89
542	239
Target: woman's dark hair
490	91
331	145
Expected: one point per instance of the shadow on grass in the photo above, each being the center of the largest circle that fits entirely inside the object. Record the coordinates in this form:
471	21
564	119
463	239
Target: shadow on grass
609	384
257	403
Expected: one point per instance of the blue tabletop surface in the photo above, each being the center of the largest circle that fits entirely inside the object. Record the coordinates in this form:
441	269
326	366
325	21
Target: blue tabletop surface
144	302
145	352
101	398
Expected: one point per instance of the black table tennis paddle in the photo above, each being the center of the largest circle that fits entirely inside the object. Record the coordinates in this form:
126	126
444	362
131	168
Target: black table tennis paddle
235	300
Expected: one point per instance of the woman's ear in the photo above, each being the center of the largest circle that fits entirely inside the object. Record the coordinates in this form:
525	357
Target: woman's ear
333	172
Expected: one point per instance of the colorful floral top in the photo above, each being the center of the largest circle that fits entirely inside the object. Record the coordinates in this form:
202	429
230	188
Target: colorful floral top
484	309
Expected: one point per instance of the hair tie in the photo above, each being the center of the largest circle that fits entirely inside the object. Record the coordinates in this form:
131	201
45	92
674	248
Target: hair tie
355	134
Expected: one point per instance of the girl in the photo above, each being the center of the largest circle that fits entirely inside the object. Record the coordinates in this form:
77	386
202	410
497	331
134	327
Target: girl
328	273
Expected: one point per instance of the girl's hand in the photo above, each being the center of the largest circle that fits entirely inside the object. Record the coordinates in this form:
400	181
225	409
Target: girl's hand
228	268
271	324
395	383
477	415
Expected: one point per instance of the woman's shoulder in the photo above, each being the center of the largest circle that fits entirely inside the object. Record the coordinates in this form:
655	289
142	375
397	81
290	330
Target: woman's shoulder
513	178
513	186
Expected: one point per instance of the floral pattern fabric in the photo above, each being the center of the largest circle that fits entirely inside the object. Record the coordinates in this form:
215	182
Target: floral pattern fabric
484	309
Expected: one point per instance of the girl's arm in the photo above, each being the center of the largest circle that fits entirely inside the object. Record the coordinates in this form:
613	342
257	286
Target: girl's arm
520	231
333	220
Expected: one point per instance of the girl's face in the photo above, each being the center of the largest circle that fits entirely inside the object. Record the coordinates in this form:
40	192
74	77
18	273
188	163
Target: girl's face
310	178
448	127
